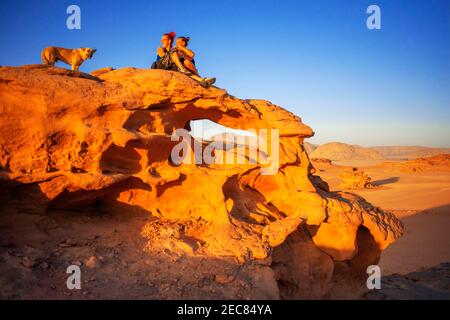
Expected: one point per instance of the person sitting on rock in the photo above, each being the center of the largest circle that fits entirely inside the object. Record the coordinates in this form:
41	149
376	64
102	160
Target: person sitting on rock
186	55
168	59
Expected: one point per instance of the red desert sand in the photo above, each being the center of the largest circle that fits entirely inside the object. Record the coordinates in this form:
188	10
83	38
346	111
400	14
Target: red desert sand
418	192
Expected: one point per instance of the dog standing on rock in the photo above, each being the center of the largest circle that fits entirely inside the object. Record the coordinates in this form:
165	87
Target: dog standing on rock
73	57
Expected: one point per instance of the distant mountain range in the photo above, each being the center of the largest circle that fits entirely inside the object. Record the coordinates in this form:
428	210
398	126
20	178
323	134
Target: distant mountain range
343	151
402	152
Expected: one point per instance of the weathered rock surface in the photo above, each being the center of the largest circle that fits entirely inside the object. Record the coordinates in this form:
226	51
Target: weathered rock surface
322	161
437	163
354	179
74	142
427	284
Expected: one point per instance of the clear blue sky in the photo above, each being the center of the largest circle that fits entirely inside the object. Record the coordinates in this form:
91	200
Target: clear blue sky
316	58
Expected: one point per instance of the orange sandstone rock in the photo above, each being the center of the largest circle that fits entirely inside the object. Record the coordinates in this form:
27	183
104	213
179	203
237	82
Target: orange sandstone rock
355	178
80	142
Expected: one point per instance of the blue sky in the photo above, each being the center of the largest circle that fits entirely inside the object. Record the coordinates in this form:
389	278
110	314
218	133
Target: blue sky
315	58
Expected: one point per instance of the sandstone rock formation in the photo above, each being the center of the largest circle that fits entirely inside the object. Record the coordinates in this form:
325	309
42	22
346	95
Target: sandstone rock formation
438	163
355	178
322	161
409	152
101	71
343	151
426	284
75	142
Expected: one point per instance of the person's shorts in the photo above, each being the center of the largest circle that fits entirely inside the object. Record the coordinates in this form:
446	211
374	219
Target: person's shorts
159	65
182	61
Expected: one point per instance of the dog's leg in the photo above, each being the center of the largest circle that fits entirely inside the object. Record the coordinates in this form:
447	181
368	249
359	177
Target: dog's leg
45	60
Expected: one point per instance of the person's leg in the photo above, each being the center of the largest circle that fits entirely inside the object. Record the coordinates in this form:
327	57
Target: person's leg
182	69
196	77
176	60
190	66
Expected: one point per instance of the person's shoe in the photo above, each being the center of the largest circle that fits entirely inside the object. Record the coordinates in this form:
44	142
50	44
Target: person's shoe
204	83
210	81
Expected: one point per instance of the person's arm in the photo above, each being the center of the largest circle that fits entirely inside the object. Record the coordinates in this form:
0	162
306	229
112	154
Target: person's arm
160	52
189	53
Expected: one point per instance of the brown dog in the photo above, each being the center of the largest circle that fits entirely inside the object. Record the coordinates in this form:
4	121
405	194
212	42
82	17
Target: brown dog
73	57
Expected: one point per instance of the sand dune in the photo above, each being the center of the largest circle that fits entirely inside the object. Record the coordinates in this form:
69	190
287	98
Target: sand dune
421	199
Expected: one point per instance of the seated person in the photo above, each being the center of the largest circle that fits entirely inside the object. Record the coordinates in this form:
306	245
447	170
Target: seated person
186	55
168	59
